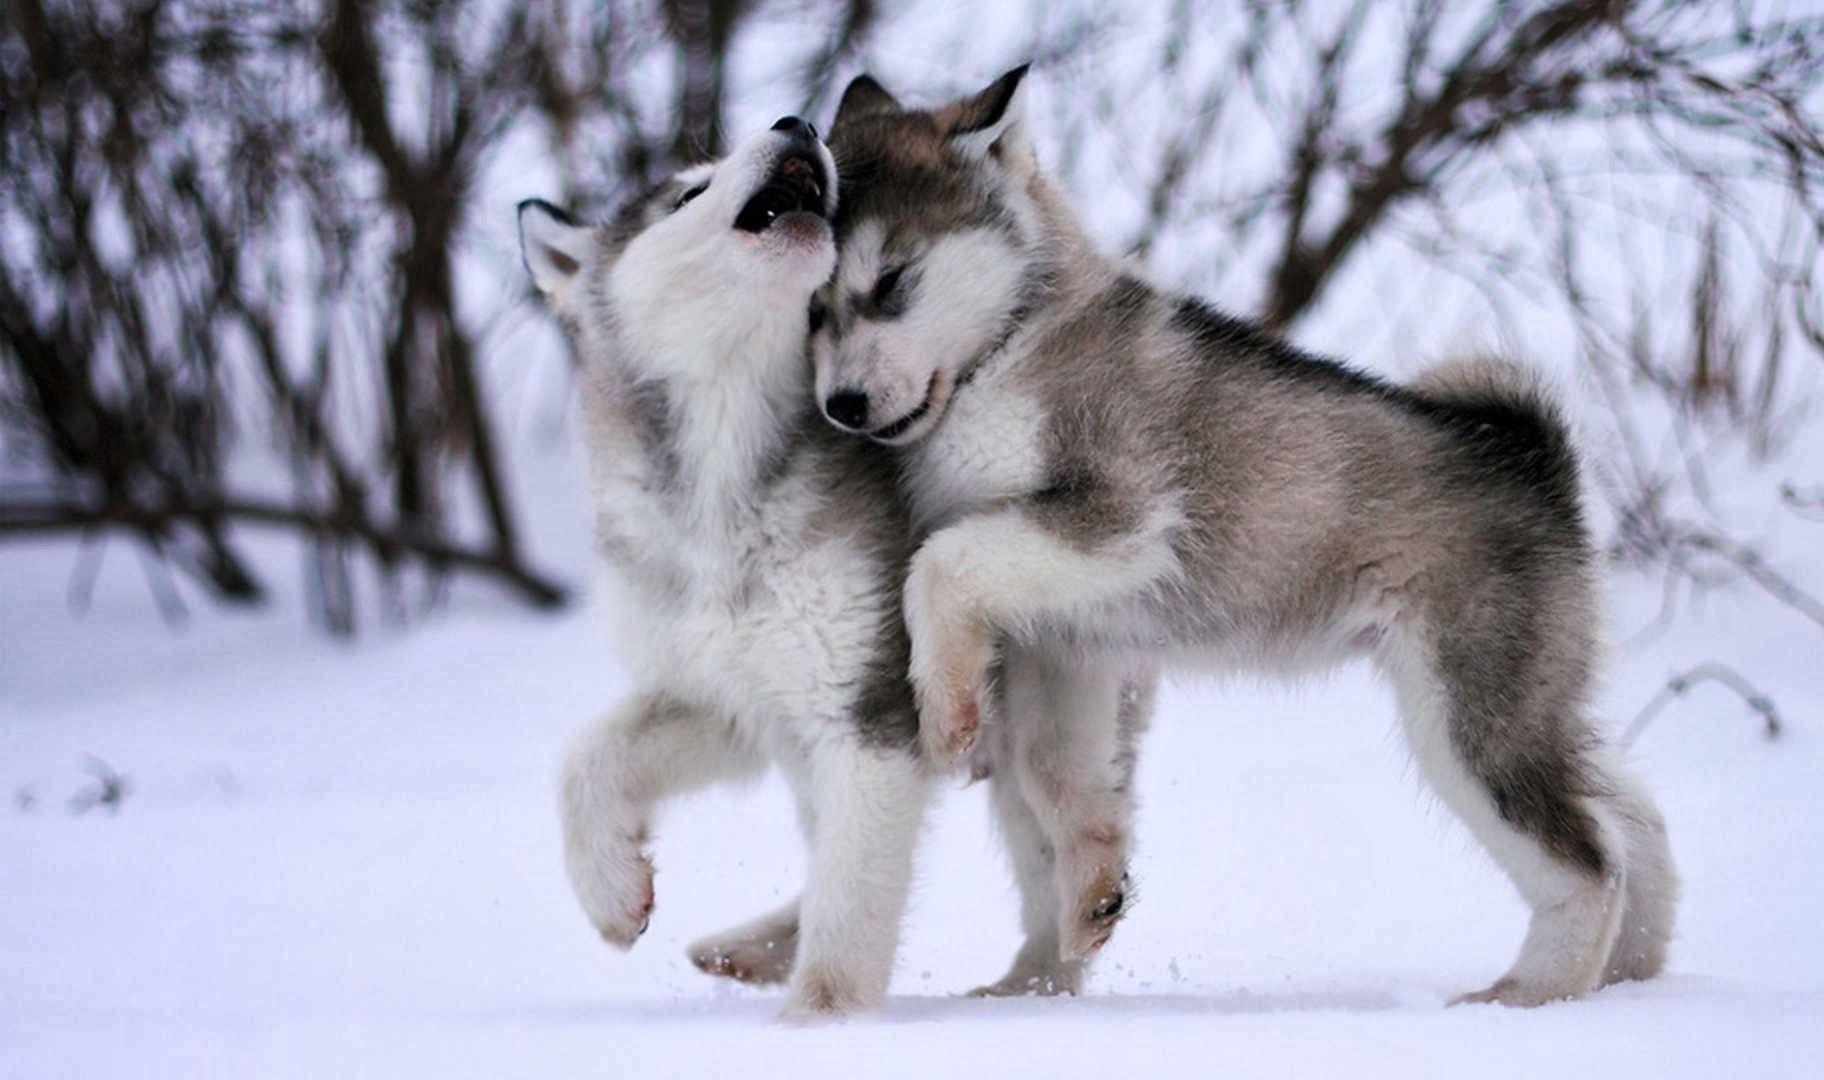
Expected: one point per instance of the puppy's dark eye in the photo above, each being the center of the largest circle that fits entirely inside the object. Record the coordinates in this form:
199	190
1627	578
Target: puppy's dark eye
689	195
886	288
819	314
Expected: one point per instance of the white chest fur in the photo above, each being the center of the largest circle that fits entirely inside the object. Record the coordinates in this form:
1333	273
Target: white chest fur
987	448
757	610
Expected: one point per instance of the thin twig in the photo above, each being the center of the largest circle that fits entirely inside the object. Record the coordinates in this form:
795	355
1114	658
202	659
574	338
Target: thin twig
1710	671
385	542
81	591
1749	561
1807	504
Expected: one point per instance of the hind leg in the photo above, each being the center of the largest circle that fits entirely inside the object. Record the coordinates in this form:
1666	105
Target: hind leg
868	804
1652	889
1072	725
651	746
1038	968
1500	751
762	950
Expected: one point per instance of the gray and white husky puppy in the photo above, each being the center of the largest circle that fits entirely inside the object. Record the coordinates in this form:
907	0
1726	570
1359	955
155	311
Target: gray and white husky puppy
757	555
1118	476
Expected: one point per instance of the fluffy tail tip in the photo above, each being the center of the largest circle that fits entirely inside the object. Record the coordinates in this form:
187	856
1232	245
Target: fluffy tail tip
1484	378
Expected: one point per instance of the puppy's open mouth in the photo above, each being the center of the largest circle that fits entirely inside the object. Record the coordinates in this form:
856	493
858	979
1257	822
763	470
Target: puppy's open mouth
899	427
795	186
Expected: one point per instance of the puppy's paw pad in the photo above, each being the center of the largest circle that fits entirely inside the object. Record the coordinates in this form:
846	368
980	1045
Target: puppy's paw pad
1043	985
755	963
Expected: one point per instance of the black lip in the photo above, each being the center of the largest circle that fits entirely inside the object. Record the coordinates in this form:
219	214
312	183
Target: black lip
898	427
796	185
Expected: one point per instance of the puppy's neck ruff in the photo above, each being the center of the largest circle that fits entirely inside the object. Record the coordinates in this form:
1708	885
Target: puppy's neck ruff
1063	270
732	414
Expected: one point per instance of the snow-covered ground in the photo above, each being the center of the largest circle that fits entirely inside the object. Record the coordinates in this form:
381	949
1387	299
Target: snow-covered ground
338	860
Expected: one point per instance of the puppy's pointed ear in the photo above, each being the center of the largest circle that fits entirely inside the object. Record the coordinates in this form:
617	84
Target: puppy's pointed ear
553	246
864	96
991	123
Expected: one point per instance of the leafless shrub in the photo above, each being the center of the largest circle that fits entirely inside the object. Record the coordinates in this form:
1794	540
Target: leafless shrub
1635	181
220	190
212	202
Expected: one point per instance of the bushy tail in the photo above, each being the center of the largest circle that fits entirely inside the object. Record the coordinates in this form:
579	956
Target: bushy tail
1484	380
1505	410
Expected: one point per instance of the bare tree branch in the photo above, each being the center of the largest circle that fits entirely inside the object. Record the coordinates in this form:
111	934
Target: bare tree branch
1679	685
18	519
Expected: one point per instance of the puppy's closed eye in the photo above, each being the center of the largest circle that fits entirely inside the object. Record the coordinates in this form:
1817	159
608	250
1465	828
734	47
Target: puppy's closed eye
887	286
888	297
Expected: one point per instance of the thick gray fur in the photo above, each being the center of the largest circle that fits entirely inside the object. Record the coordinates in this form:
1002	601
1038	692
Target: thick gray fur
1127	476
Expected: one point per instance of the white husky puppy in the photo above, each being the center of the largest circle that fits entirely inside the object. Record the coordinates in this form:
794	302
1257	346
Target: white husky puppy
758	558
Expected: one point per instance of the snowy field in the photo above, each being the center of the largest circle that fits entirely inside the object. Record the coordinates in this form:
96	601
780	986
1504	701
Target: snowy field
342	860
336	860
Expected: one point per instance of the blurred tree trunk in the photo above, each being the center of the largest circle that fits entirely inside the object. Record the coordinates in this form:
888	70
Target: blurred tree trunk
703	30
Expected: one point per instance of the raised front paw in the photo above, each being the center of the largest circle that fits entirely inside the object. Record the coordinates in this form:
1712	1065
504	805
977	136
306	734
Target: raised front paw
951	683
949	726
952	650
613	882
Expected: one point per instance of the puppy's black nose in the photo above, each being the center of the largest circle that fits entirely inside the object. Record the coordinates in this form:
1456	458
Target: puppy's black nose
848	408
795	125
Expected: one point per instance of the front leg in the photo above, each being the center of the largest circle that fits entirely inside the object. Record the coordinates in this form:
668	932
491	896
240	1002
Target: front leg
651	746
868	803
952	655
1038	968
1074	749
1011	571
